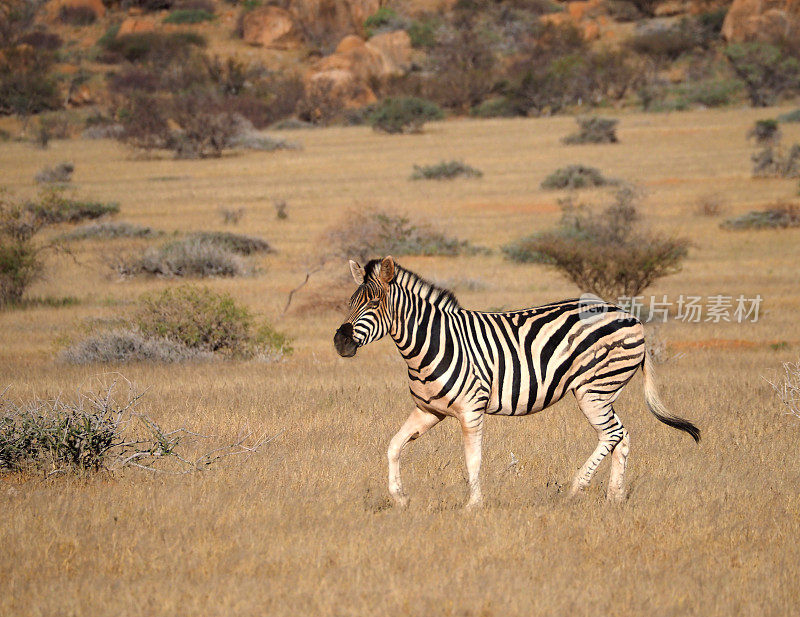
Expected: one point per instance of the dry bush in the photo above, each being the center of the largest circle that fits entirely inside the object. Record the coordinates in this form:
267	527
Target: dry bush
76	15
446	170
26	83
362	235
231	216
608	254
236	243
99	430
60	174
776	162
184	258
281	209
129	345
665	43
780	215
575	177
557	68
788	389
109	230
155	48
594	130
462	64
710	204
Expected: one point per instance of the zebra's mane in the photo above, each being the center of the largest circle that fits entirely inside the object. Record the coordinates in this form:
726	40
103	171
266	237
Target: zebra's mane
439	296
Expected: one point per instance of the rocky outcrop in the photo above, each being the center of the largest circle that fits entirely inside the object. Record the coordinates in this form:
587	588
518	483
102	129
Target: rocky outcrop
271	27
334	18
136	25
356	64
761	20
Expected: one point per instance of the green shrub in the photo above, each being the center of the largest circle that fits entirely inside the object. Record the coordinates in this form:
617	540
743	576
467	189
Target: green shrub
767	70
20	265
713	92
499	107
446	170
236	243
383	20
594	130
575	177
790	116
422	33
188	16
777	216
53	207
201	319
110	231
99	429
363	234
608	255
404	115
765	131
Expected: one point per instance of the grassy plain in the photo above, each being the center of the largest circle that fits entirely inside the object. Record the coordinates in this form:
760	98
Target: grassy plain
305	527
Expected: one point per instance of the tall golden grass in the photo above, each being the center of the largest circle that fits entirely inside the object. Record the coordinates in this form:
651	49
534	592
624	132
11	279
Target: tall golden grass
305	526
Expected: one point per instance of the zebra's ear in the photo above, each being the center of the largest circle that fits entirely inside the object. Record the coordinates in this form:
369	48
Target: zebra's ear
357	272
387	269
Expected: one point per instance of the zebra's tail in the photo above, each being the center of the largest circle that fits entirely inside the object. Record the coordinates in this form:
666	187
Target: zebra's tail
657	408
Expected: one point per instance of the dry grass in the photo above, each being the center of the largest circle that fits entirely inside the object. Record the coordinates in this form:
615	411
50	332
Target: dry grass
304	527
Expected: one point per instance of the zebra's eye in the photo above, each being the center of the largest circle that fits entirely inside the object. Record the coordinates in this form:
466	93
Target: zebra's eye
373	304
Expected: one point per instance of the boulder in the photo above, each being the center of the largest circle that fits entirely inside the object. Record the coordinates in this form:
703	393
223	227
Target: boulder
136	25
334	17
761	20
271	27
395	47
355	64
340	84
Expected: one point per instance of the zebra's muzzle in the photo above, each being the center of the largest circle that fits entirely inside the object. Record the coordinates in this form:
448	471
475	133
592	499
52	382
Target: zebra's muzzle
343	341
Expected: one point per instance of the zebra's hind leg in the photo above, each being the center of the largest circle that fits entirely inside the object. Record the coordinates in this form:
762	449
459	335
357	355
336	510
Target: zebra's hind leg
599	411
417	423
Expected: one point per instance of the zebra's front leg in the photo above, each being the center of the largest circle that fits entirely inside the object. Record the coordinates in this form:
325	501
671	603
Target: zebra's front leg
472	432
417	423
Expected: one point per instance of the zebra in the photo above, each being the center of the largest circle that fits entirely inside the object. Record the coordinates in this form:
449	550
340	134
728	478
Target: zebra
466	364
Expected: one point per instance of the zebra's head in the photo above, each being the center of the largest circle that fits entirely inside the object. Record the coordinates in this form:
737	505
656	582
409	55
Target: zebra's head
369	318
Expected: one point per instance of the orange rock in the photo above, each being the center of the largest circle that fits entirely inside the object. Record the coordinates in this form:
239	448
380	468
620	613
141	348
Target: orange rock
761	20
136	25
334	17
395	47
271	27
343	85
591	31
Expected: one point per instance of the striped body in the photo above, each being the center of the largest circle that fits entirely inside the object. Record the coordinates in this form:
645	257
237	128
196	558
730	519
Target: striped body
466	364
519	362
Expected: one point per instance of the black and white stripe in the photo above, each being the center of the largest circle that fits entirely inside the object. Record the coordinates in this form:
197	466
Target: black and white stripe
465	364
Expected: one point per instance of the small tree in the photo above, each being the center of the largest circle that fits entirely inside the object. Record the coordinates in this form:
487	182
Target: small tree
610	254
766	70
20	257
